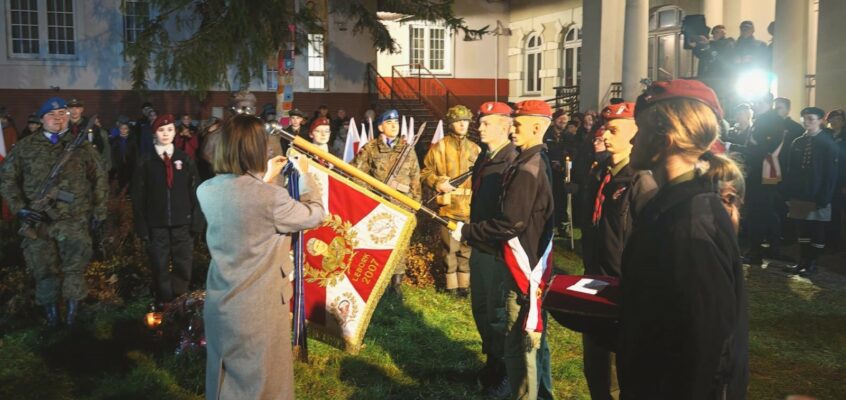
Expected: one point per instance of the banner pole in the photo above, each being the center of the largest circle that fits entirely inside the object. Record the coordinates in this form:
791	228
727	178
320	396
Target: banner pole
359	174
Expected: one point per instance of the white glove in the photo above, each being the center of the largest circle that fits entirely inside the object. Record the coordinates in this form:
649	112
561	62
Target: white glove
445	187
456	234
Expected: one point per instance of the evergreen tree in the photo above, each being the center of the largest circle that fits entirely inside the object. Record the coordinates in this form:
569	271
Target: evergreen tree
197	44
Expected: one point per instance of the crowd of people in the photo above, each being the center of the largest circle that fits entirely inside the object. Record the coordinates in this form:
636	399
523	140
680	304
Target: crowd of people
668	182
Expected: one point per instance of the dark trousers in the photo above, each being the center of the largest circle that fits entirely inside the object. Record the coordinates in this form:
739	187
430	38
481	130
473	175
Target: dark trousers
811	238
487	301
763	219
600	370
171	244
834	229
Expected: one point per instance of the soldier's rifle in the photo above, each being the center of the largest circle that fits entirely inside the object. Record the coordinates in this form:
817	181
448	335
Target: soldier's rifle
354	172
48	192
454	182
391	179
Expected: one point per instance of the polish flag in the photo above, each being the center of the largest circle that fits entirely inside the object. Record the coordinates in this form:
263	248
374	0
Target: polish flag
439	134
410	133
364	137
404	128
353	141
2	144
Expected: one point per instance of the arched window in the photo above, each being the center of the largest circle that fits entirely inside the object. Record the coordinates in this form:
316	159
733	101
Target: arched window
533	63
667	59
571	57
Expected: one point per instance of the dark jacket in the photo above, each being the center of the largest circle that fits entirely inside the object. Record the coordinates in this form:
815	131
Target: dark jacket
625	195
812	170
487	190
840	141
684	307
792	130
155	205
767	135
525	209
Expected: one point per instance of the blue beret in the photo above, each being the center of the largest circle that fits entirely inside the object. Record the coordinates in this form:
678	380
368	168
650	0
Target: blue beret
390	114
53	103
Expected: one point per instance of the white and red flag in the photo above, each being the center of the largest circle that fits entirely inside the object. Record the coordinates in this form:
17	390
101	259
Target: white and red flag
353	142
365	137
532	280
350	258
439	134
2	144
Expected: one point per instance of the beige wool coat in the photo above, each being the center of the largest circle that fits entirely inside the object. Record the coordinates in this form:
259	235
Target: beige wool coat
246	315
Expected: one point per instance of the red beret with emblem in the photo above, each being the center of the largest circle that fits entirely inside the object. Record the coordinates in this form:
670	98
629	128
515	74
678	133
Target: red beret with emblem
617	111
162	120
535	108
679	88
495	107
318	122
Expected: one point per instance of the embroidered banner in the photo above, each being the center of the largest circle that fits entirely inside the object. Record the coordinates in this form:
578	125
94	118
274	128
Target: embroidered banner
350	258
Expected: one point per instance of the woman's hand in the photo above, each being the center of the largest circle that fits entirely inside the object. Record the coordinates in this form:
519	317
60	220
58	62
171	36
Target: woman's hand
300	161
274	167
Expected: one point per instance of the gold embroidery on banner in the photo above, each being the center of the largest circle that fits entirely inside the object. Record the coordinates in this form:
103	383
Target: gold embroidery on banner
382	228
332	267
344	309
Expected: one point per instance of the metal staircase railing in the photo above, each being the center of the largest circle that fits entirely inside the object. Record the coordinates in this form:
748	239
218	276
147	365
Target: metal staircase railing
418	82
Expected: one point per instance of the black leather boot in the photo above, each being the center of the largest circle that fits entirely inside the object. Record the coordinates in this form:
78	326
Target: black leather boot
52	312
70	317
396	284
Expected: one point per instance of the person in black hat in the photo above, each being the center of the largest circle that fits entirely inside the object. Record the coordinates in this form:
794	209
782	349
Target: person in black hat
33	124
810	180
97	136
295	126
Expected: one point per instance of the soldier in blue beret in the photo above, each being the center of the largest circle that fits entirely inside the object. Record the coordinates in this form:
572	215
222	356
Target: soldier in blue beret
59	255
377	158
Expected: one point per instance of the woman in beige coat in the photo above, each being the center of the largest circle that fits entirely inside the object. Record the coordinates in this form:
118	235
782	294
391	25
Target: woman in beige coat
247	321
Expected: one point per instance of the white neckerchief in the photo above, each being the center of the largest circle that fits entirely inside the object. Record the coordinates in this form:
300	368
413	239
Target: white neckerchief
164	149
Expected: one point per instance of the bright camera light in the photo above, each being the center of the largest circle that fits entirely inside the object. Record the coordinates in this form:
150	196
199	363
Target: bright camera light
753	84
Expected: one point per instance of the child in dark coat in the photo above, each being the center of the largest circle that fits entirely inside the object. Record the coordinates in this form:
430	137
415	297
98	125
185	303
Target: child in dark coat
809	184
164	196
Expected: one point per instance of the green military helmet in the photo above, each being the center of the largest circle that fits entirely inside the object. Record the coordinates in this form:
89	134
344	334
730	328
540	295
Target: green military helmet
458	113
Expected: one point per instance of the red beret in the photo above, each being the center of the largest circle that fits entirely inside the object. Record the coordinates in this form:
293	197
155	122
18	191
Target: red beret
679	88
617	111
318	122
162	120
495	107
537	108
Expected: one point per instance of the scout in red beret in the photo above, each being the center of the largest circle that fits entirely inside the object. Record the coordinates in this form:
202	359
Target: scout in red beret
686	88
619	110
162	120
495	107
320	131
537	108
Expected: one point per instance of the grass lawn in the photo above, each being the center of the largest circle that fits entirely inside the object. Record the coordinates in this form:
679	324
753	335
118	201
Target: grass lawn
424	347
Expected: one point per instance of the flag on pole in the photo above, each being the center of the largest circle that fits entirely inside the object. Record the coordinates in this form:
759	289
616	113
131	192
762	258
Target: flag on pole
410	137
350	258
2	144
370	133
439	134
352	144
404	128
364	137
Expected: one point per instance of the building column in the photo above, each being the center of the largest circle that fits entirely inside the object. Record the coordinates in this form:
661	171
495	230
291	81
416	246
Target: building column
713	11
635	47
790	52
601	50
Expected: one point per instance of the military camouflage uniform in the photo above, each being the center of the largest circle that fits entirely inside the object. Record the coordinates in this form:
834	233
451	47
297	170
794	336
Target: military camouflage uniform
376	159
449	158
64	245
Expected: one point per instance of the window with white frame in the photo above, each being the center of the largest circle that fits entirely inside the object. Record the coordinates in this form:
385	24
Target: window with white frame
430	47
533	63
571	57
23	21
42	28
271	77
135	15
316	62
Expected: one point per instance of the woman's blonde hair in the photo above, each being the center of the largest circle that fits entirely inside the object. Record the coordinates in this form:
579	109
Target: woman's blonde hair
691	127
242	147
